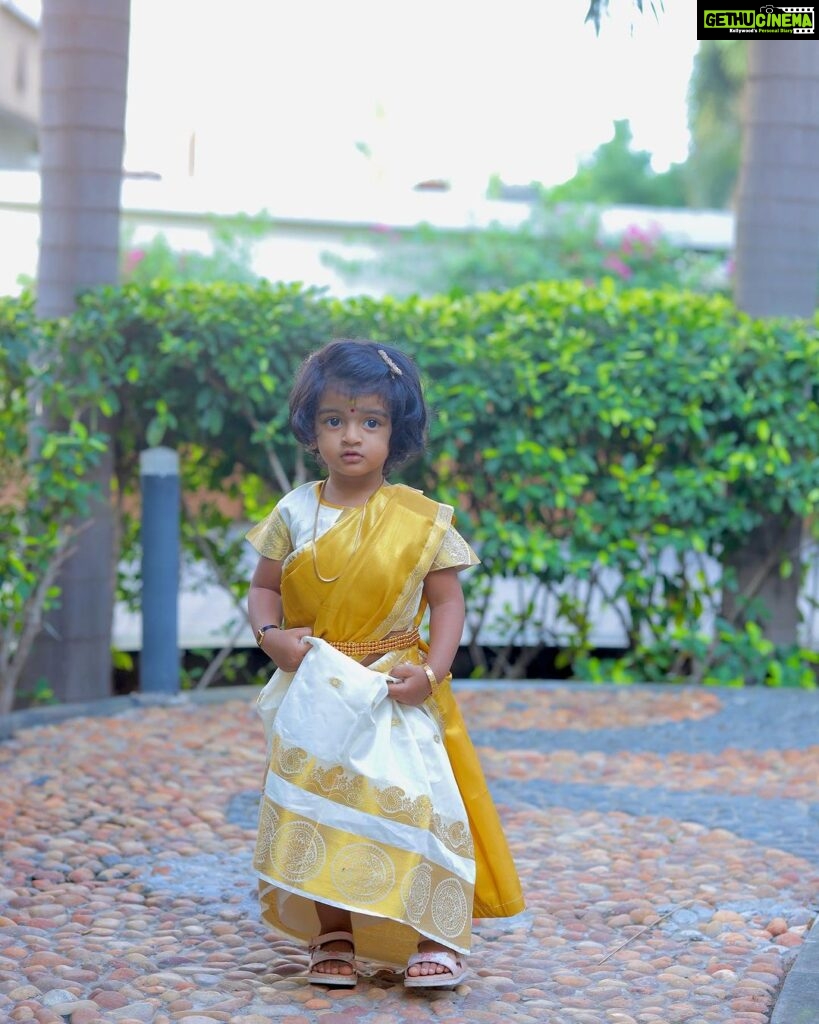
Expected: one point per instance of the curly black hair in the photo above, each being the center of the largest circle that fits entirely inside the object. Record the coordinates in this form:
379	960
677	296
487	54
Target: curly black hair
357	367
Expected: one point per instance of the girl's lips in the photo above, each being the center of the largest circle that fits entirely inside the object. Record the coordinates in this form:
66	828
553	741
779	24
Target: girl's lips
352	457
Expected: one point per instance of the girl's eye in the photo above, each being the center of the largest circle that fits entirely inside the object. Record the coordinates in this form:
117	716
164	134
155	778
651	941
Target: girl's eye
333	421
372	423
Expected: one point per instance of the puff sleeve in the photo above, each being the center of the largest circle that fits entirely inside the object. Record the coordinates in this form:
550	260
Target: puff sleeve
271	537
454	553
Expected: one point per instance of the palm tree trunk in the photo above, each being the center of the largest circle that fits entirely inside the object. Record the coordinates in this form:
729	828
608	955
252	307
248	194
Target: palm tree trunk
777	208
777	260
84	79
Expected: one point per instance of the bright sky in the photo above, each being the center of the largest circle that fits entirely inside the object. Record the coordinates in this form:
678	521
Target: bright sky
279	93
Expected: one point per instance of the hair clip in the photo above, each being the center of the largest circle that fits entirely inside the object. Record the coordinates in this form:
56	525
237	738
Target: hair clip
392	366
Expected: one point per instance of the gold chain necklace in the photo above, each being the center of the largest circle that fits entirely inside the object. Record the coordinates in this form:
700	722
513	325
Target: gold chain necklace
332	579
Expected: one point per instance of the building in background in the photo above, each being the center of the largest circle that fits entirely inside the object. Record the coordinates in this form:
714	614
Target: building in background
19	88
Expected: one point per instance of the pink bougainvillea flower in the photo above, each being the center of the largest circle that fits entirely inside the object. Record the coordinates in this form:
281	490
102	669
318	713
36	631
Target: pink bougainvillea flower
637	239
132	259
616	265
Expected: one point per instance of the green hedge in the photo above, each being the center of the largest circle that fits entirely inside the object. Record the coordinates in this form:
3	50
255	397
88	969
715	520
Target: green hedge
575	429
45	480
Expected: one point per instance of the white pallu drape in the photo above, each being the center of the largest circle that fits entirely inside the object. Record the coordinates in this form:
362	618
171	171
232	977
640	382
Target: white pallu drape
360	808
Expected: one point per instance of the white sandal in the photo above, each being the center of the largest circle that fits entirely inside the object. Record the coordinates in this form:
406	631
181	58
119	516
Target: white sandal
320	956
457	971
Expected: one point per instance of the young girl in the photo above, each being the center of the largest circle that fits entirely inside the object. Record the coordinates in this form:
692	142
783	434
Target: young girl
378	838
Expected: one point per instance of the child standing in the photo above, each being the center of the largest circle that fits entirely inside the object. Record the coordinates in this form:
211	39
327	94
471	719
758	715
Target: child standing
377	834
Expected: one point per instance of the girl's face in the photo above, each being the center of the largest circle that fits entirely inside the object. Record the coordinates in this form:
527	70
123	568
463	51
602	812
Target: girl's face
353	435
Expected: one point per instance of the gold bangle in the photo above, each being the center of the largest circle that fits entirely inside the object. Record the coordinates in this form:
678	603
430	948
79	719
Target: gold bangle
433	682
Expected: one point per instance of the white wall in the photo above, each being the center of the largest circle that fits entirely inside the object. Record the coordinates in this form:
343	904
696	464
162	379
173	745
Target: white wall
293	248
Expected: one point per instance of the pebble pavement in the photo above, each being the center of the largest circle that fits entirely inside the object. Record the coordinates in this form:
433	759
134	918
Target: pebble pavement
667	840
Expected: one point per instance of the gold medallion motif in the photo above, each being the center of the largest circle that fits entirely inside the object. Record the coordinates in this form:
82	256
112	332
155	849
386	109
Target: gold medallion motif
415	891
298	851
268	822
449	907
363	872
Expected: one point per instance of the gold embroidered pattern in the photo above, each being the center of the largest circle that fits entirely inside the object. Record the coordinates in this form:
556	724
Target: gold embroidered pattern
268	822
415	579
340	867
342	787
392	801
434	708
271	537
363	873
292	760
298	851
416	889
454	551
449	907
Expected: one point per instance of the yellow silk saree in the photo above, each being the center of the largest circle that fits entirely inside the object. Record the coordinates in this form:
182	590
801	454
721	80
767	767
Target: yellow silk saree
371	805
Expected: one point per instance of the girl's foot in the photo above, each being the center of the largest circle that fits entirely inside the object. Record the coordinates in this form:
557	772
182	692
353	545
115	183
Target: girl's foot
332	960
434	966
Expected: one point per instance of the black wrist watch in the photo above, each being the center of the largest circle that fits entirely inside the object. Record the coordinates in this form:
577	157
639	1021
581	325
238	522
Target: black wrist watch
260	632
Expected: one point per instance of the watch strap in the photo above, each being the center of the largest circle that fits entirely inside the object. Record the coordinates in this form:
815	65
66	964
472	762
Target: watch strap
260	632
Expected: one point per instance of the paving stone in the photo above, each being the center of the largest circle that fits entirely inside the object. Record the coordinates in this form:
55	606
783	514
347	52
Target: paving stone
667	840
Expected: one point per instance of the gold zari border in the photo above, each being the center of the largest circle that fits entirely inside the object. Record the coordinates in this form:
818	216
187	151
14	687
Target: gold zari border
340	786
415	578
333	866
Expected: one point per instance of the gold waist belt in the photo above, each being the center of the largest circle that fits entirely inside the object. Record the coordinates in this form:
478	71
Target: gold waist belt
360	649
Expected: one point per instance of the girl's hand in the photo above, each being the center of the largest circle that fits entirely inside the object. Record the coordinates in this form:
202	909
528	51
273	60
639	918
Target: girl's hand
286	647
413	687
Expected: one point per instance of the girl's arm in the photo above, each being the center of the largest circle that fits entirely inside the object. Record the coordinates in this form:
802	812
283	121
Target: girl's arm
447	613
264	606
